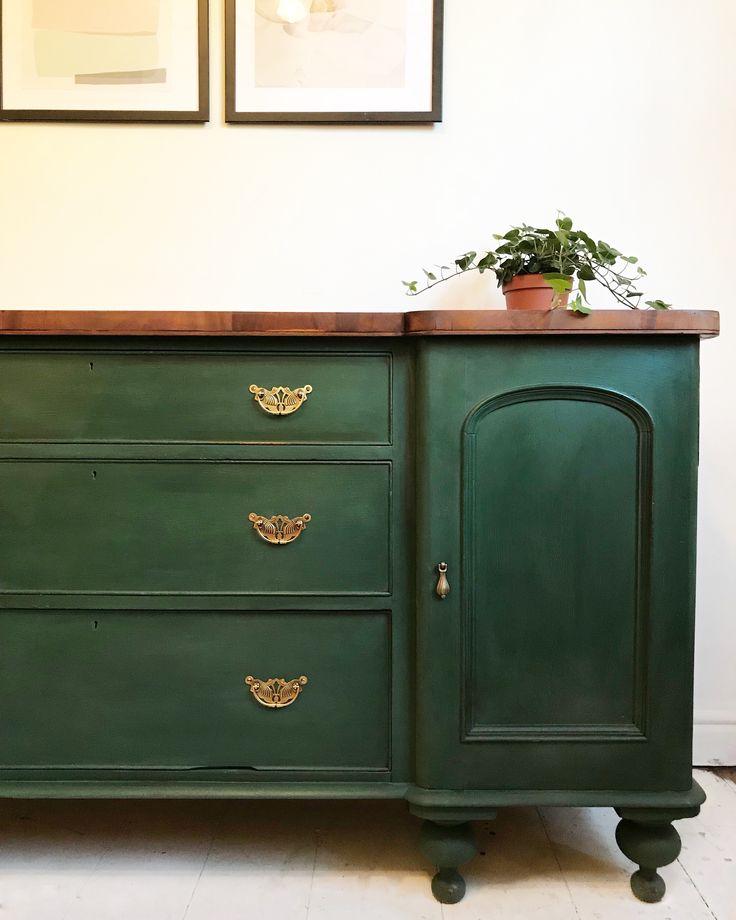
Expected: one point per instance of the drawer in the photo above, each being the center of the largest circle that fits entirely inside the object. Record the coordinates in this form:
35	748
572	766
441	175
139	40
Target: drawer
167	690
184	527
195	397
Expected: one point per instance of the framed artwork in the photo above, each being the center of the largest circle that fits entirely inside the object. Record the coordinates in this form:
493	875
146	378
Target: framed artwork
104	60
347	61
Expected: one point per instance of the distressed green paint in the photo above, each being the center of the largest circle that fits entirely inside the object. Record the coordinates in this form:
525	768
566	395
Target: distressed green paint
182	527
545	547
555	476
192	395
166	690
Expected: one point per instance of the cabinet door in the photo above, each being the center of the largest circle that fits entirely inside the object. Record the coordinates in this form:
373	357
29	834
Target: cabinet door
557	481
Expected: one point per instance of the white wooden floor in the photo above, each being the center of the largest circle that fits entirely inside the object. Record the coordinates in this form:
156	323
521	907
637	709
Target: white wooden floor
342	861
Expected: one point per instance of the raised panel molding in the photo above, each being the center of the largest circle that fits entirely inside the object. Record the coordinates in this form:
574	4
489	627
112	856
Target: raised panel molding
473	731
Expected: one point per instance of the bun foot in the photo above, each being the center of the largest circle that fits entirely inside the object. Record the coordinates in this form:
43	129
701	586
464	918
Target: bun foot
647	837
447	846
448	886
648	885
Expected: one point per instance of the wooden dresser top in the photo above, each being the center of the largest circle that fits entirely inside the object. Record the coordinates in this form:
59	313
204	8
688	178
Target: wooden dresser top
703	323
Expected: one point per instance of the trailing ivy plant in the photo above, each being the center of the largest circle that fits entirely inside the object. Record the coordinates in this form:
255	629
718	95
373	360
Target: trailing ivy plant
567	258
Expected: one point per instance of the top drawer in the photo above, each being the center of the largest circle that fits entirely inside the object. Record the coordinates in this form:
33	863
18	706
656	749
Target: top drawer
195	397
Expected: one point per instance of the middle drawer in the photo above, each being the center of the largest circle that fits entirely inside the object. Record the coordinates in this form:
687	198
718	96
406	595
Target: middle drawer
195	527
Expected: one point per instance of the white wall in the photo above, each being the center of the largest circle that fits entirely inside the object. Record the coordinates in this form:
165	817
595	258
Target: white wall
621	113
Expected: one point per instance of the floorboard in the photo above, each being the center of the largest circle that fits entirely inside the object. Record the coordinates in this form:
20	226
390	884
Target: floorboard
328	860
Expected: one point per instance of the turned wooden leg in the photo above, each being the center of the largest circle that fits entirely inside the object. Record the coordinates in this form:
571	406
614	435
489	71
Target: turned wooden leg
646	836
447	846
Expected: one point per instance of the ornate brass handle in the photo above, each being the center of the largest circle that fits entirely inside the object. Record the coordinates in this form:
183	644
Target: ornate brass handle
443	585
279	529
275	693
280	400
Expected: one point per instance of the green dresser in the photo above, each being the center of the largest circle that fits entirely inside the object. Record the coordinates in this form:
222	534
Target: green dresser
447	557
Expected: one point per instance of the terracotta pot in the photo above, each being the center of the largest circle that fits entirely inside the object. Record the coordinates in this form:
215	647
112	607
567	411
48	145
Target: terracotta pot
531	292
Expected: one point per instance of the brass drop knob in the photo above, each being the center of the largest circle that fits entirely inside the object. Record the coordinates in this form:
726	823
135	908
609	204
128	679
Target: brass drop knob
443	585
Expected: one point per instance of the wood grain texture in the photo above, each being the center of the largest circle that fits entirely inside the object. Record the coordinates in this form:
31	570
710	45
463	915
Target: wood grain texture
123	322
704	323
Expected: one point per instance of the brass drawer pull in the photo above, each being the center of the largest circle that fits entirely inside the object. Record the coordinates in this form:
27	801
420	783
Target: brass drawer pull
280	400
279	529
275	693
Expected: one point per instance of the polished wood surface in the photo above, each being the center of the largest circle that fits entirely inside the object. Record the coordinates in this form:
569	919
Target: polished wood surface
562	322
422	322
184	322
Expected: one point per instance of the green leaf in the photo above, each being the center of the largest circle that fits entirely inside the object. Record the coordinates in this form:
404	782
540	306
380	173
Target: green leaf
583	289
488	261
607	253
560	284
430	275
577	306
590	243
564	223
658	305
465	261
585	273
411	285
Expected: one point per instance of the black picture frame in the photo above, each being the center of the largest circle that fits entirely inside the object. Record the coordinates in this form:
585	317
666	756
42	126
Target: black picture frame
200	115
233	116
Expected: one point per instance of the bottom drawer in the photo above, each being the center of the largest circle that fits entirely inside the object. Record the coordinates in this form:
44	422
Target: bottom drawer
167	690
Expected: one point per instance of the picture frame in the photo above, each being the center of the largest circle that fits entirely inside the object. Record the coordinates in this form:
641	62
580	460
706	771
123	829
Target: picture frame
104	60
333	61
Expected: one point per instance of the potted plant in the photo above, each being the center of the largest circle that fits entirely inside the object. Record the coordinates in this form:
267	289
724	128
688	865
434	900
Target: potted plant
543	269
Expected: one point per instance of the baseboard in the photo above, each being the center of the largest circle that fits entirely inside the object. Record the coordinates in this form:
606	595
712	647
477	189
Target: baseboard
714	739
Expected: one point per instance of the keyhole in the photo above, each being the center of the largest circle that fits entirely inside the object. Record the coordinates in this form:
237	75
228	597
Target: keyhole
95	624
94	474
91	365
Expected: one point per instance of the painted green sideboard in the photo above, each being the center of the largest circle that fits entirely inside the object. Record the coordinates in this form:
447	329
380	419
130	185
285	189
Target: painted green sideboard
448	558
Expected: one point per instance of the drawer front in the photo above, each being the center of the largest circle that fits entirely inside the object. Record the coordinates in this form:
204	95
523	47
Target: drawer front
195	397
167	689
183	527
